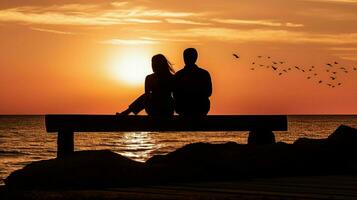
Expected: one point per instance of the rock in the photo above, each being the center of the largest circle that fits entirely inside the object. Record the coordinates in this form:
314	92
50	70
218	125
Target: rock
343	136
82	169
308	142
201	161
335	151
261	137
343	145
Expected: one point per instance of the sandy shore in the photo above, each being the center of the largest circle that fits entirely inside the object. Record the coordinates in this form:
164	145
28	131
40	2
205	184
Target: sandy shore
312	187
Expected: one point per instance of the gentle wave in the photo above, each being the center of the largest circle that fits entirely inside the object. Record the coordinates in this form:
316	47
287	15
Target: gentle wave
11	153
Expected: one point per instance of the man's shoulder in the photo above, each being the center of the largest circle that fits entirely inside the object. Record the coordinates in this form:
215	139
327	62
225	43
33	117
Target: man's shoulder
196	70
203	71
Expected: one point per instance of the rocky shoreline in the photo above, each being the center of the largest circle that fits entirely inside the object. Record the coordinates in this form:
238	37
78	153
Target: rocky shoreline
193	163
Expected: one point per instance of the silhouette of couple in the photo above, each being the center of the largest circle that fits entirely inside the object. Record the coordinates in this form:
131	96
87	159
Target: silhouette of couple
187	92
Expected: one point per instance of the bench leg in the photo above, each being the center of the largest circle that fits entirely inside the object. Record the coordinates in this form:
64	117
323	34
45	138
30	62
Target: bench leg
261	137
65	143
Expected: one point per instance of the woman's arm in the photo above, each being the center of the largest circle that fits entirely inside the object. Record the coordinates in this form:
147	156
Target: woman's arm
148	84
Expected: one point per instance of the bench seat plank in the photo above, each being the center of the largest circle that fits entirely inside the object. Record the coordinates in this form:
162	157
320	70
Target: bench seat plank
113	123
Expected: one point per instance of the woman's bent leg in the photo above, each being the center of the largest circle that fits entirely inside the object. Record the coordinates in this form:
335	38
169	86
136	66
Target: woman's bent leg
138	105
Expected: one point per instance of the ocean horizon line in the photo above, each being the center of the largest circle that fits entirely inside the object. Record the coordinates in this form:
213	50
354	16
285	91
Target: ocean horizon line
291	115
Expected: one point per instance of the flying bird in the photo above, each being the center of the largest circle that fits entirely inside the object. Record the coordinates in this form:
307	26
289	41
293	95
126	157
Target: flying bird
315	74
303	70
251	68
320	81
280	73
336	63
235	55
253	63
275	63
308	77
355	68
259	56
339	83
281	62
333	78
268	57
329	64
289	68
275	68
285	70
297	67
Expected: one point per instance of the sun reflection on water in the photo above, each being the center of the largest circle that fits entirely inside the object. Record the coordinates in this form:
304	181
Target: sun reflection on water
138	145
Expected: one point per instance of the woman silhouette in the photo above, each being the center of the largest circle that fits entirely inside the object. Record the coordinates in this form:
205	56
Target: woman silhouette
157	99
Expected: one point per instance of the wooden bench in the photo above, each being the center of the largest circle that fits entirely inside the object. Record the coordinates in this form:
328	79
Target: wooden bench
66	125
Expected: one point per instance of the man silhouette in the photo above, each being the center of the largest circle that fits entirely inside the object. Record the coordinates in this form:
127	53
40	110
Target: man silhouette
192	87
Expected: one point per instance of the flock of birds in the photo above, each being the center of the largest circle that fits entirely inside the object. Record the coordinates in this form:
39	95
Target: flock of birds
333	70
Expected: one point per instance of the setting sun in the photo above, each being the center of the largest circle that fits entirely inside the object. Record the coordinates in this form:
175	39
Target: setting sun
131	67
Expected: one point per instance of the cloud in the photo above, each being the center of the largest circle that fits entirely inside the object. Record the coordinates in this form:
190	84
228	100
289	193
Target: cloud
347	53
288	24
343	48
141	21
257	22
248	22
68	7
129	42
256	35
88	14
117	13
184	21
52	31
145	41
54	18
334	1
329	14
162	13
163	39
119	4
352	57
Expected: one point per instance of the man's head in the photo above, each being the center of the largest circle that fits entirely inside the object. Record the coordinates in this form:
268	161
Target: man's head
190	56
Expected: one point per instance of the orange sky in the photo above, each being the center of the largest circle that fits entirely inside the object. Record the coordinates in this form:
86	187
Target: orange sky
73	56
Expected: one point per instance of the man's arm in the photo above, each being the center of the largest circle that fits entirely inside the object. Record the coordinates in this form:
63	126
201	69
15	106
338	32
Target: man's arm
209	85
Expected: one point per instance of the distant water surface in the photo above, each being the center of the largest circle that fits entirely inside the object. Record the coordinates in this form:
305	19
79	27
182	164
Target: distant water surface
23	139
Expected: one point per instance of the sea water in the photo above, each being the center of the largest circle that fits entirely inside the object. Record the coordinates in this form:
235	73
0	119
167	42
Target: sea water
23	139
